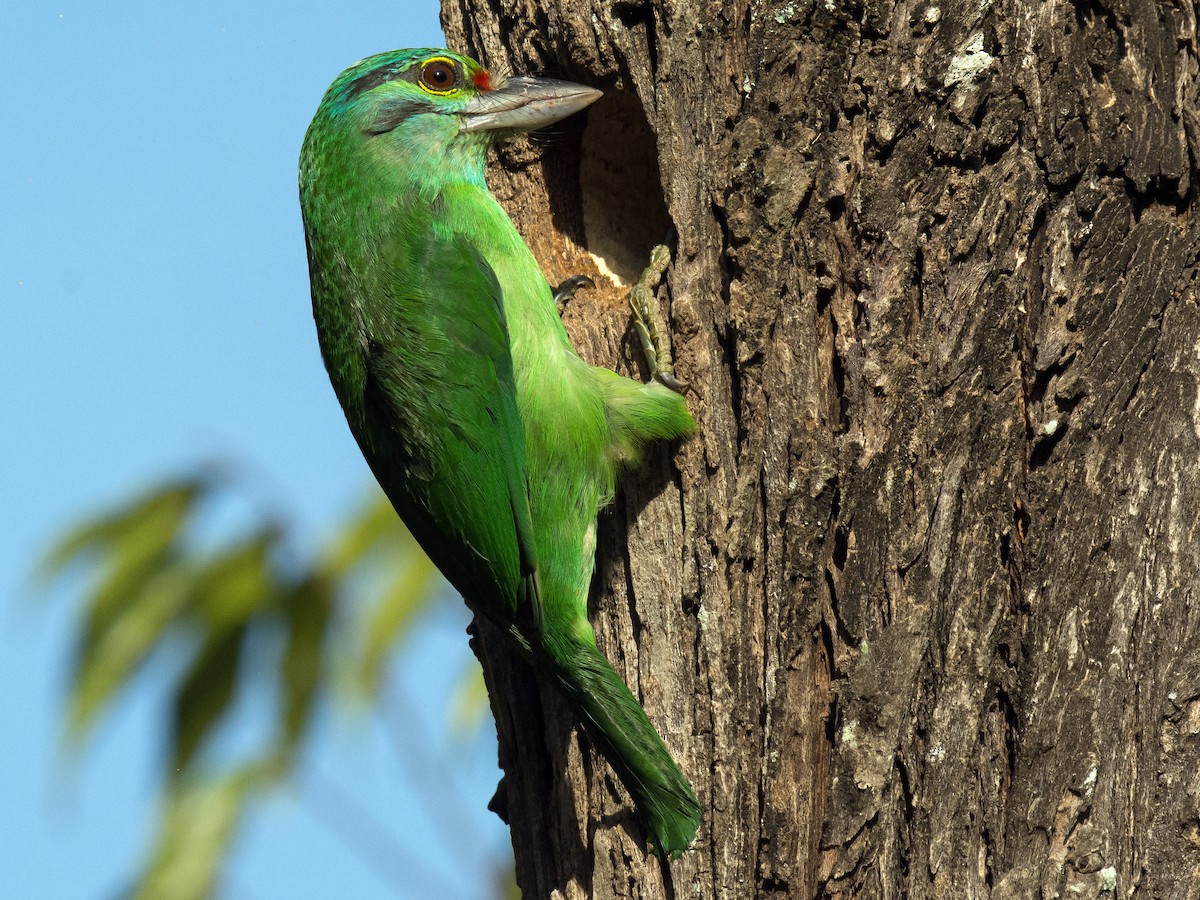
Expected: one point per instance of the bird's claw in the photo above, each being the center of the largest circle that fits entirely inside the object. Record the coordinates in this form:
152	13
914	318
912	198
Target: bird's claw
565	291
668	379
648	321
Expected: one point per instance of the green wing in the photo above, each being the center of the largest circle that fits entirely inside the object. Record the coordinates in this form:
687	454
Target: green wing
447	441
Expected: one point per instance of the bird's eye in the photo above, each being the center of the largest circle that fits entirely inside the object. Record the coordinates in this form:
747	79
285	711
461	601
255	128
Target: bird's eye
439	76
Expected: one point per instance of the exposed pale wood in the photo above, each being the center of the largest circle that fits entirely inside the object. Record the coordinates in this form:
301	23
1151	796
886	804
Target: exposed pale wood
917	611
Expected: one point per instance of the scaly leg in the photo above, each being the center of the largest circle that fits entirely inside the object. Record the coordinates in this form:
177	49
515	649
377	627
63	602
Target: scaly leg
651	329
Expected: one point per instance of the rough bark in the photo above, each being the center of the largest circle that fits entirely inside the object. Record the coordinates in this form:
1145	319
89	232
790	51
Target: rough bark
917	611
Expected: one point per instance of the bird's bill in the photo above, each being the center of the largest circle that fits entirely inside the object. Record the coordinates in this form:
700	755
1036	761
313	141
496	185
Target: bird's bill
525	104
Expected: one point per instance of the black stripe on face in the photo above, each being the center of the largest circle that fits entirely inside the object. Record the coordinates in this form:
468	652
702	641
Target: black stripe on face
390	115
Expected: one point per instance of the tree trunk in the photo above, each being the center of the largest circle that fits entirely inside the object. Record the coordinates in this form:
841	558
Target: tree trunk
917	611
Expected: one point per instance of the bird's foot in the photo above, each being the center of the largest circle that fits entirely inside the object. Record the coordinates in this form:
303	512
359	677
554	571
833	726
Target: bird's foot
648	321
565	291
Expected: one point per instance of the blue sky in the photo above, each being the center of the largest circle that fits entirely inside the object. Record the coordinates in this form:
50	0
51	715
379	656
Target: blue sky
154	312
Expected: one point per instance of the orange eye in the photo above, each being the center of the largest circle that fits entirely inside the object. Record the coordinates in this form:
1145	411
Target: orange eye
439	76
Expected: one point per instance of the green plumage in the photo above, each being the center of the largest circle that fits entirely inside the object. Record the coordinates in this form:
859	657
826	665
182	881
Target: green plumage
495	442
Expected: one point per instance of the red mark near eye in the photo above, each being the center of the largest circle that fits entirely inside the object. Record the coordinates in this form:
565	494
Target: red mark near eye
483	79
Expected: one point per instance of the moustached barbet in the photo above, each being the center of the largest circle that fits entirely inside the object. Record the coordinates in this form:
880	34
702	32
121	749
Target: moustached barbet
494	441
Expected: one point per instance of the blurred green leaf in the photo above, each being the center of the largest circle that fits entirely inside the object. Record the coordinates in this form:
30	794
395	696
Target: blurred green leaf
107	657
375	525
308	610
132	548
246	611
142	528
390	618
232	586
204	694
198	821
469	704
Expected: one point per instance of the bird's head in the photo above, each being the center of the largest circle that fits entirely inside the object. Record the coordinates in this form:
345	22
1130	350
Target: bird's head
426	100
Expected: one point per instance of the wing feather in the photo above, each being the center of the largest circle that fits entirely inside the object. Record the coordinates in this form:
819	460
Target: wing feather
441	384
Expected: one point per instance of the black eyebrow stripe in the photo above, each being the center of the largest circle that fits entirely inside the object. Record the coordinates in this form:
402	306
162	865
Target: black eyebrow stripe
371	80
384	74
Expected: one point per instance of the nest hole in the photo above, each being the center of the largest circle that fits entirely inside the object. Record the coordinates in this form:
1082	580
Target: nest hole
624	211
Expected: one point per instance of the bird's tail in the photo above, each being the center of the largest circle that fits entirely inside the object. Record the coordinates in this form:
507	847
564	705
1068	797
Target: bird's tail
618	725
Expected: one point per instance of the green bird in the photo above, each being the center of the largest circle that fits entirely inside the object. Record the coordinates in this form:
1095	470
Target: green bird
494	441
